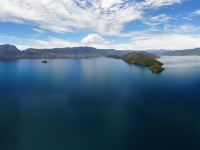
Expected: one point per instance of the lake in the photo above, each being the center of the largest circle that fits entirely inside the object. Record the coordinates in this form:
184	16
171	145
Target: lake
99	104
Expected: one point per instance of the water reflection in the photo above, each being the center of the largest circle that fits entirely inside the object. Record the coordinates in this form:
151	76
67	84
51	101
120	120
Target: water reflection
95	104
180	61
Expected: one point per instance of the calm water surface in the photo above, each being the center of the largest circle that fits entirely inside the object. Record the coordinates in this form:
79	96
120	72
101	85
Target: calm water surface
99	104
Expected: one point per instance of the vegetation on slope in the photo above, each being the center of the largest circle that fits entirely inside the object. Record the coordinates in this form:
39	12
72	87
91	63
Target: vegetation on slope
143	59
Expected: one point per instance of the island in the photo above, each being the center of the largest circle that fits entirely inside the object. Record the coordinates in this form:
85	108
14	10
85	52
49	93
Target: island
142	59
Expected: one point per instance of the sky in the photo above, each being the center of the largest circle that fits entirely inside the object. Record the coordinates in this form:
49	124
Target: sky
113	24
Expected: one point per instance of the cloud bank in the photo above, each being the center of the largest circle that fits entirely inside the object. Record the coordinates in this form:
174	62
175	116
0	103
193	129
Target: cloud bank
102	16
100	19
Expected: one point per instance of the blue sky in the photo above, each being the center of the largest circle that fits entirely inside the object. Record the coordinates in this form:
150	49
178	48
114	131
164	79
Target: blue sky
118	24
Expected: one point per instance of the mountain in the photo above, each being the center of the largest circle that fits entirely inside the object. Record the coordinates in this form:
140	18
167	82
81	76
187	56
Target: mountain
11	52
74	52
187	52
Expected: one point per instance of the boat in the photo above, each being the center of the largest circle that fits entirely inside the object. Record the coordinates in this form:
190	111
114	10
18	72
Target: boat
44	61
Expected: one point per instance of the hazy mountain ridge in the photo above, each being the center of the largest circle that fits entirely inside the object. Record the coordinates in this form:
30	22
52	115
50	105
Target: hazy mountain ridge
187	52
12	52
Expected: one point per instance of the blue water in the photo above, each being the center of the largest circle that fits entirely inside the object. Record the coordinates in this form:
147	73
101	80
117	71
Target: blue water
99	104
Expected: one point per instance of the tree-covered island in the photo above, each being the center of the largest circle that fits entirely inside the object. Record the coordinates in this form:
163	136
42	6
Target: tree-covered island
143	59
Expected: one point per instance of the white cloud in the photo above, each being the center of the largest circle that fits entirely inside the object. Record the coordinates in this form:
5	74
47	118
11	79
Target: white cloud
38	30
181	29
156	20
109	3
188	28
49	43
196	12
169	42
161	17
159	3
139	42
102	16
93	39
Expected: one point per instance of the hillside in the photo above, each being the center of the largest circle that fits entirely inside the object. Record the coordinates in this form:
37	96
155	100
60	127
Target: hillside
143	59
9	52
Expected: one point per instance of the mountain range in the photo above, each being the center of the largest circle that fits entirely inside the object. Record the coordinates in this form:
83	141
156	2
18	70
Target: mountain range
131	57
12	52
